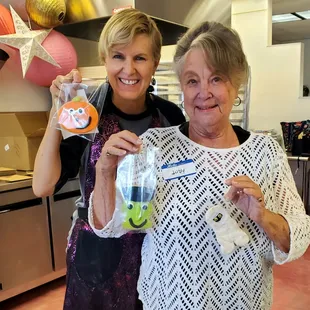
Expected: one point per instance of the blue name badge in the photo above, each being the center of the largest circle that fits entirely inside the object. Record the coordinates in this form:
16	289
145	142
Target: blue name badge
178	170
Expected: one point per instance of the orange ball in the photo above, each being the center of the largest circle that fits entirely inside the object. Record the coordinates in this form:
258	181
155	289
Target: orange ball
6	21
78	117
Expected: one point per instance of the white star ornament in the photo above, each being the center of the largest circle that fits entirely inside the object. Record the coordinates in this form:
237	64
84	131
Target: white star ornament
28	42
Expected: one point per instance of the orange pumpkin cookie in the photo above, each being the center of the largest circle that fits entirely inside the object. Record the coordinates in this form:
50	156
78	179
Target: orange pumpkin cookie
78	116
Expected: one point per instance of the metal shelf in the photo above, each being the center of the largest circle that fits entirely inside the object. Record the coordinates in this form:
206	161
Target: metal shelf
163	72
167	83
160	93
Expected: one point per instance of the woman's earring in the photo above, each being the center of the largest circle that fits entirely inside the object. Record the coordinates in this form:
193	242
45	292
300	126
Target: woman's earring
153	82
238	103
106	79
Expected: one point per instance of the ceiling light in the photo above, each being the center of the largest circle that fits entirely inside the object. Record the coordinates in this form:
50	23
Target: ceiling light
282	18
304	14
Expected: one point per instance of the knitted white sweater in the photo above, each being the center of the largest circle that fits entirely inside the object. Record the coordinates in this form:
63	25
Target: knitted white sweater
182	266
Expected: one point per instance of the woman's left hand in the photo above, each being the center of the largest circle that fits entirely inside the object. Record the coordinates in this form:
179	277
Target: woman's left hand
247	196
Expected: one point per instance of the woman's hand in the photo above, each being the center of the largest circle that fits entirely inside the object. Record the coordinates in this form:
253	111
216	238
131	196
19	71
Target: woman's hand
118	145
48	154
73	77
247	196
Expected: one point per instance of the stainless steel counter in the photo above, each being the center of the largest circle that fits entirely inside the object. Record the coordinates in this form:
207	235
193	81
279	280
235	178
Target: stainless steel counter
24	229
44	224
300	158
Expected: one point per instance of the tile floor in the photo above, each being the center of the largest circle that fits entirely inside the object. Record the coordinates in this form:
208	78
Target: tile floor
292	285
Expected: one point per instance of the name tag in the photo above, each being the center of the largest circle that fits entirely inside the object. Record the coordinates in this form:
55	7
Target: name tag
178	170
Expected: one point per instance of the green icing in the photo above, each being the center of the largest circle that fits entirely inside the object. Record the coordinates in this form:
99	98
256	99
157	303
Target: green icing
137	215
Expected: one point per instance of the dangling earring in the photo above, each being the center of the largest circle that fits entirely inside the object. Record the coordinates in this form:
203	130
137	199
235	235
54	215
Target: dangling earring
238	103
106	79
153	81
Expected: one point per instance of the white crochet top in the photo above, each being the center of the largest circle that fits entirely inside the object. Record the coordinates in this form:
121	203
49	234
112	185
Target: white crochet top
182	266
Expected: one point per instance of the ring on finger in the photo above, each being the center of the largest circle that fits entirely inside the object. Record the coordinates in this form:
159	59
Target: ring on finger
108	154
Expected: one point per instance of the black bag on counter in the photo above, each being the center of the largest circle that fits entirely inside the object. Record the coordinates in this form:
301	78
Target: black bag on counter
296	137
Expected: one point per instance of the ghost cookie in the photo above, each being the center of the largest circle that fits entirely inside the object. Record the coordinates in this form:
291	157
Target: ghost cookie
228	234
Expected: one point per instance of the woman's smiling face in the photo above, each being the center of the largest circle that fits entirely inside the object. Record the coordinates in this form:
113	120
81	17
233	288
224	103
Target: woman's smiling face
130	68
208	96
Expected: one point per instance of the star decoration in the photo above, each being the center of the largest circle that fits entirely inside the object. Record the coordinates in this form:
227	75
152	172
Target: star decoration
28	42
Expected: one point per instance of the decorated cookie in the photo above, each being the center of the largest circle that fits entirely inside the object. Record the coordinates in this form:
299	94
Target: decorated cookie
137	208
78	116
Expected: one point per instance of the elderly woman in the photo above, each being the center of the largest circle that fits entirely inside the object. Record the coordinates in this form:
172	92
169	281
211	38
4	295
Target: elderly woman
103	273
186	262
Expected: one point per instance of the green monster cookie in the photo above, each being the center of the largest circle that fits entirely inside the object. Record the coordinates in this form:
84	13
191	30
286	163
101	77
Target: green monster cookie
137	207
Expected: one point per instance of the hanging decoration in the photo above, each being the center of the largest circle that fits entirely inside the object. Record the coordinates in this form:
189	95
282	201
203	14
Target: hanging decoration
82	10
19	7
6	21
46	13
28	42
61	49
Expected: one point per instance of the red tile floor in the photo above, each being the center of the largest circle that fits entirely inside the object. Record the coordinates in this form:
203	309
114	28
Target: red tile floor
291	290
292	285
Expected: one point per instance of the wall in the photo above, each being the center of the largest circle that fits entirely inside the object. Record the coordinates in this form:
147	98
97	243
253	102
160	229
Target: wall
167	53
306	67
18	94
277	70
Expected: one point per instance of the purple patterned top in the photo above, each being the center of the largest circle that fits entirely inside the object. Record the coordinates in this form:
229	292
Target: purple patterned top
103	273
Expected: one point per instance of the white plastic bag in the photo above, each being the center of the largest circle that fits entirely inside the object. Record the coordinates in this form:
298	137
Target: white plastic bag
78	109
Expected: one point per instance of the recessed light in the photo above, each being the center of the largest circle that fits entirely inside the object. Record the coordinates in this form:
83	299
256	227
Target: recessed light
305	14
282	18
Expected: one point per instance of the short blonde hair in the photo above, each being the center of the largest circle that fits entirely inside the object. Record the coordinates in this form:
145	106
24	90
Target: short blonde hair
222	46
122	27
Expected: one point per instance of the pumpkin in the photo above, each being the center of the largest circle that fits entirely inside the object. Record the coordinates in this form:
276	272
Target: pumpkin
79	117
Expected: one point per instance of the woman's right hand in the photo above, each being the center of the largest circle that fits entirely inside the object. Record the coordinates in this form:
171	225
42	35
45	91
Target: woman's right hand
73	77
118	145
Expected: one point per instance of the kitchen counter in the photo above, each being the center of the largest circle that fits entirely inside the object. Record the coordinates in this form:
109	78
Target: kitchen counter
301	158
4	186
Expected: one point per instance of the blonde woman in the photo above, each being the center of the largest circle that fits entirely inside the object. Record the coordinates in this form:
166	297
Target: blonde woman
102	274
190	259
